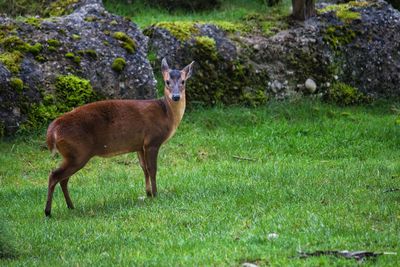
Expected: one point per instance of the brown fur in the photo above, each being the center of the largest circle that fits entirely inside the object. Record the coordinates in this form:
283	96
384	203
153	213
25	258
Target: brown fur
112	127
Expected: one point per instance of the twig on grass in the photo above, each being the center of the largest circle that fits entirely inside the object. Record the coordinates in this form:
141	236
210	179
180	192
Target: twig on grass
357	255
244	158
391	190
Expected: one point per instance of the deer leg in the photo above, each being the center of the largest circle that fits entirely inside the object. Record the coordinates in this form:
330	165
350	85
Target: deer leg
146	173
151	154
68	168
64	187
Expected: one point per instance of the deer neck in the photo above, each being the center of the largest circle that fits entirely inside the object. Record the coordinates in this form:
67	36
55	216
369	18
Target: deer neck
176	110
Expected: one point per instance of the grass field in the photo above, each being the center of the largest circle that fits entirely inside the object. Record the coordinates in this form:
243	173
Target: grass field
319	176
230	11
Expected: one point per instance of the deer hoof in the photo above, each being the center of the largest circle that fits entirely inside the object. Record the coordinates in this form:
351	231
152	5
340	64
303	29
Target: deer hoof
47	213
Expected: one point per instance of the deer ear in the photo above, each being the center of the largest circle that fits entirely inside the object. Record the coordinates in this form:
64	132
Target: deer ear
164	67
188	70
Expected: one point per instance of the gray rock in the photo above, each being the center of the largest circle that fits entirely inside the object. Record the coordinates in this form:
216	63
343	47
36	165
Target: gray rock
310	85
88	34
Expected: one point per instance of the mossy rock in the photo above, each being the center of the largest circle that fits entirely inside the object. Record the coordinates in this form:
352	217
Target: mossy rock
220	76
119	64
238	83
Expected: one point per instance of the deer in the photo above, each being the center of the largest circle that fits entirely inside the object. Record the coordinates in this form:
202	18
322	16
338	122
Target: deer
112	127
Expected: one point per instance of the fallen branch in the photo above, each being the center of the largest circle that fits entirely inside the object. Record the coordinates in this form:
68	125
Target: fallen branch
391	190
243	158
357	255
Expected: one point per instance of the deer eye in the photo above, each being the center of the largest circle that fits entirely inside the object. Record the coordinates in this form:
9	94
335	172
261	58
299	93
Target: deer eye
168	83
183	82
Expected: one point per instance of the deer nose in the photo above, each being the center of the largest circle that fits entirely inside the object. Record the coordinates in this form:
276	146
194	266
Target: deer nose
176	97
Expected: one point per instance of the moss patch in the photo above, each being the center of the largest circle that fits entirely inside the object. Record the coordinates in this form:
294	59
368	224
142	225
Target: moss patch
263	24
70	92
73	91
344	94
60	8
34	49
12	42
40	58
91	53
69	55
126	42
90	19
229	26
337	36
119	64
7	29
73	57
54	42
181	30
76	37
206	46
77	59
345	12
252	23
17	84
35	22
12	60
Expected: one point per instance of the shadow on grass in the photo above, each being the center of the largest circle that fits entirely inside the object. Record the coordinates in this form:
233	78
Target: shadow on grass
110	206
7	246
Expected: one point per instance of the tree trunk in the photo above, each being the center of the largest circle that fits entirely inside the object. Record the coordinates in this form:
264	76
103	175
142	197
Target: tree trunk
303	9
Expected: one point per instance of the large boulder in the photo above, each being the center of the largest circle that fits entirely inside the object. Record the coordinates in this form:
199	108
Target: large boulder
370	56
40	56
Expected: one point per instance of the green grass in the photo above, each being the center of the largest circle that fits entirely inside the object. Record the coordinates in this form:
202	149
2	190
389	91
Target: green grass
230	11
317	178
